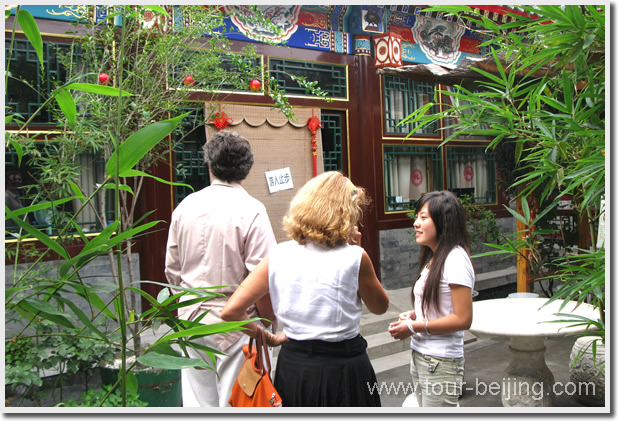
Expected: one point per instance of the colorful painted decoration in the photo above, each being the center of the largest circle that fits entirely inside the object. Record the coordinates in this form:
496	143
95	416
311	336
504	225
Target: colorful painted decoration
387	50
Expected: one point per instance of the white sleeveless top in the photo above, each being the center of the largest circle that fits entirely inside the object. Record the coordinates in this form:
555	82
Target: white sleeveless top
314	290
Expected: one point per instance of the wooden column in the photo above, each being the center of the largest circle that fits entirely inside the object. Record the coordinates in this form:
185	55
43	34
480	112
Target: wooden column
523	267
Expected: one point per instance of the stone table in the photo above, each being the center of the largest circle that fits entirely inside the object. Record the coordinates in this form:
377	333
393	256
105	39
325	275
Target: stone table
526	322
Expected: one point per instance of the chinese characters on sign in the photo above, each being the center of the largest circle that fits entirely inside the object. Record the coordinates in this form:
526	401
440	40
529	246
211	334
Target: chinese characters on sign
278	180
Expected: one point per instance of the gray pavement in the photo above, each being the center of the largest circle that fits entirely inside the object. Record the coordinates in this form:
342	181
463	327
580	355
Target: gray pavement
485	363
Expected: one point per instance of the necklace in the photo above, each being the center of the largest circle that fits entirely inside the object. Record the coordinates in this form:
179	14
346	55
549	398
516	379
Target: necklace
429	263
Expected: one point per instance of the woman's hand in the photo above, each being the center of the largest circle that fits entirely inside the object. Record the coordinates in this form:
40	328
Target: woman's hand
399	330
275	340
407	315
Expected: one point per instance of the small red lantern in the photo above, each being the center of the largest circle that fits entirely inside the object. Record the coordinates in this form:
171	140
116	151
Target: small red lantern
255	85
189	81
103	78
314	124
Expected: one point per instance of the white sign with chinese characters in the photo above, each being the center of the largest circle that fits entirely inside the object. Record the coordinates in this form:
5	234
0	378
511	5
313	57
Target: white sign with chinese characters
278	180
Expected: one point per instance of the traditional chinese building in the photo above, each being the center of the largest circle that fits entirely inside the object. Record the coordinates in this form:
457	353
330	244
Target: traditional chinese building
362	56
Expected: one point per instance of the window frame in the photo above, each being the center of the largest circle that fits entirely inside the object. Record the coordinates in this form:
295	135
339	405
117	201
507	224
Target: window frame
344	67
416	139
437	173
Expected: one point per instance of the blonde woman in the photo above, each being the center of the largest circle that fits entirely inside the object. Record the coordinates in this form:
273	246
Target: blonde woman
316	282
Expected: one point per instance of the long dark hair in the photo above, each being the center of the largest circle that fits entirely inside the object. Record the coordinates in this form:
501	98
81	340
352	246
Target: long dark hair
449	217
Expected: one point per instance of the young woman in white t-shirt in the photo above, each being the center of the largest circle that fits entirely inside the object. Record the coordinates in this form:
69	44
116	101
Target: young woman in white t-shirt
442	297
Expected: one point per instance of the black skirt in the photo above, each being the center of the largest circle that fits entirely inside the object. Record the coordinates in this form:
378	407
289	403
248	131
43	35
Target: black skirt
318	373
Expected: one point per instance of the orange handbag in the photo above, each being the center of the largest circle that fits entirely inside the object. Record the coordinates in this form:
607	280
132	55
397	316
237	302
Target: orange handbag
253	386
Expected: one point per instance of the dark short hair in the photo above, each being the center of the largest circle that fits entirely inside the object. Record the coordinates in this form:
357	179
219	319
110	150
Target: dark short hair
228	155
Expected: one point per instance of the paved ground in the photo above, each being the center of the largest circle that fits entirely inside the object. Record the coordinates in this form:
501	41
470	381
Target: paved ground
486	360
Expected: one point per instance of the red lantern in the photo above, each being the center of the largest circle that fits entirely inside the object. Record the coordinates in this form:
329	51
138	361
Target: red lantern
255	85
314	124
189	81
103	78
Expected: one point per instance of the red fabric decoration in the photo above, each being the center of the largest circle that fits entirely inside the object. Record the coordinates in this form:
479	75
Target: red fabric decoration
314	124
220	120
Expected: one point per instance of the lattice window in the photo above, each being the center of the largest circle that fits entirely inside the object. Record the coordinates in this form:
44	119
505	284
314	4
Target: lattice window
331	78
24	64
410	171
188	155
401	98
471	171
332	142
34	190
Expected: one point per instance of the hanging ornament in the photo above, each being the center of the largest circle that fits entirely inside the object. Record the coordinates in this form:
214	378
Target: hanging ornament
103	78
220	120
255	85
314	124
189	81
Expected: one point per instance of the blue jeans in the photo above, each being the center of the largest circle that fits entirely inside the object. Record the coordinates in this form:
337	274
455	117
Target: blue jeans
437	381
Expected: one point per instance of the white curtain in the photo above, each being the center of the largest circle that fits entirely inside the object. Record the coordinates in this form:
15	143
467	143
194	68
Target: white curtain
88	179
409	176
396	105
470	171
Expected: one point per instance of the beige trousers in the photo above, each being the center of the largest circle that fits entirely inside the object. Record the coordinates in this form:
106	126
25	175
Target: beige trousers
209	388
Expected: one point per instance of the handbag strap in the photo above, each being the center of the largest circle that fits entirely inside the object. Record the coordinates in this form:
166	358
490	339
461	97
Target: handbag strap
261	349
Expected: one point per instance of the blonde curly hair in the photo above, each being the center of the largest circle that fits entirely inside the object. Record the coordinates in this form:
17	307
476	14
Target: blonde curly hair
325	210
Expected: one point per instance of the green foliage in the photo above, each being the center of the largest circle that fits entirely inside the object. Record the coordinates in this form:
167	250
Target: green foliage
482	225
546	97
21	363
102	397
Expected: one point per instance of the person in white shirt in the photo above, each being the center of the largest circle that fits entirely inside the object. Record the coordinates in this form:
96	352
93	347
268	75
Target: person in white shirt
217	236
442	297
318	281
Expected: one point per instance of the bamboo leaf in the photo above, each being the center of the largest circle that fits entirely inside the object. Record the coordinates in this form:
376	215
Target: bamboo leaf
42	205
132	384
84	319
163	295
36	233
517	215
131	233
169	362
18	150
114	186
45	310
157	9
89	295
140	143
137	173
67	105
95	89
30	28
210	329
554	103
490	76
